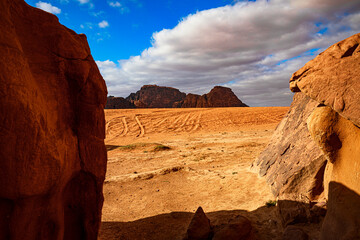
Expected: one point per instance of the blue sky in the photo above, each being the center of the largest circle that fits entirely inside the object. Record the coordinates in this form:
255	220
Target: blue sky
251	46
131	23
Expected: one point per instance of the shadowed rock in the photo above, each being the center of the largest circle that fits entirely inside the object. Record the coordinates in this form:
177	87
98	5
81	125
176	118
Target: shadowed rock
294	233
53	157
199	228
118	103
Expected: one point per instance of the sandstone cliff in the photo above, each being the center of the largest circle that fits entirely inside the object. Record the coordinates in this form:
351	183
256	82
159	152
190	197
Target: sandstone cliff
53	157
152	96
321	155
217	97
332	79
118	103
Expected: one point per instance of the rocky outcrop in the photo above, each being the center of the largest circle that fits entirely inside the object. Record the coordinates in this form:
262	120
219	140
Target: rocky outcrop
332	121
152	96
118	103
223	97
53	157
332	79
200	228
217	97
194	101
292	163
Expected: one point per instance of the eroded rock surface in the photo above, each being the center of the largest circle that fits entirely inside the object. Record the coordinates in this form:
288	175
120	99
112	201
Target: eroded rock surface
217	97
118	103
292	163
331	80
53	157
153	96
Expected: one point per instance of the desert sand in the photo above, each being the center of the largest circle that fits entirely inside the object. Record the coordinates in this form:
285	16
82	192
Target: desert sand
165	163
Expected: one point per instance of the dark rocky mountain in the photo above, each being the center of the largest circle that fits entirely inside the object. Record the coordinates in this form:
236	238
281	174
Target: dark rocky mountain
153	96
118	102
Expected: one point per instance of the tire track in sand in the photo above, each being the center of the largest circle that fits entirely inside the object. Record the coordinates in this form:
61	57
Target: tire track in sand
114	127
125	127
142	130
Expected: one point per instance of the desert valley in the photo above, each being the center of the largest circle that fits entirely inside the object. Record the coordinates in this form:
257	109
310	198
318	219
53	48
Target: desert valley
165	163
161	164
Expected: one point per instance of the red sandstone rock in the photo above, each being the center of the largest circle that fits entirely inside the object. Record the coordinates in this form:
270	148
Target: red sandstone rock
332	78
223	97
152	96
53	157
194	101
217	97
118	103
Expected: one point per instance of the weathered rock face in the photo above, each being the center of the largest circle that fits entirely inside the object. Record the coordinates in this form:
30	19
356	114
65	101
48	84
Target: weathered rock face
223	97
217	97
118	103
53	157
333	120
332	79
292	163
339	139
194	101
152	96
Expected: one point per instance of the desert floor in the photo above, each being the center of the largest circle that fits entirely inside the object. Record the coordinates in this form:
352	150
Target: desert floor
165	163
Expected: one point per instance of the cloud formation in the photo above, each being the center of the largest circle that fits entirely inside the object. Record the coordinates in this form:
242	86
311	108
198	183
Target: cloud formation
48	7
83	1
115	4
252	47
103	24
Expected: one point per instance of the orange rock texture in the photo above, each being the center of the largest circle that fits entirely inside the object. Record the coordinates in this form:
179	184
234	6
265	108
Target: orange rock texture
322	153
53	157
332	79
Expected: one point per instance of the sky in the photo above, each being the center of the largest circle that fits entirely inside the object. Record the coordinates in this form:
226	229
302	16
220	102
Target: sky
253	47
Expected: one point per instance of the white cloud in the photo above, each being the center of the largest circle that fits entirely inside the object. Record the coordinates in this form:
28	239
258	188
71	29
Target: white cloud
115	4
83	1
48	7
252	47
103	24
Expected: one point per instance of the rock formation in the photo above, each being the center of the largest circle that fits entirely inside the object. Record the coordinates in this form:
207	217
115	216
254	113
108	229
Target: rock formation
118	103
200	228
332	79
217	97
152	96
323	153
292	163
53	157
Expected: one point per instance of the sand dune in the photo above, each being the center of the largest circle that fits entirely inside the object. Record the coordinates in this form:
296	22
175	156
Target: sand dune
163	161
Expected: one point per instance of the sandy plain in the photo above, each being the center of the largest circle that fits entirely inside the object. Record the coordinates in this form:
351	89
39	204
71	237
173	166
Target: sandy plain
165	163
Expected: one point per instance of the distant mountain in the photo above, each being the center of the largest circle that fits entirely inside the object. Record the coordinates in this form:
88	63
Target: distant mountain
153	96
